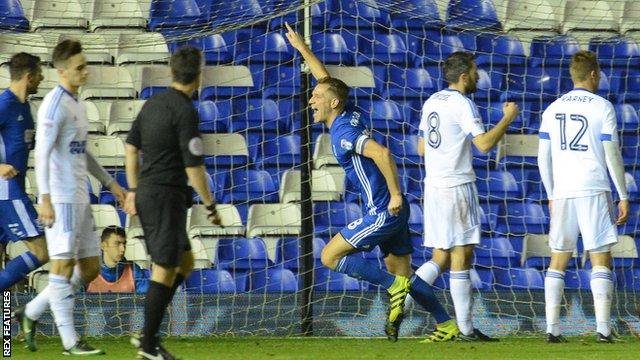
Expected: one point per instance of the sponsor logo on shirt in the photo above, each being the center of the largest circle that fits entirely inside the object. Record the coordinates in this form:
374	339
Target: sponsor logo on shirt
347	145
20	117
77	147
355	119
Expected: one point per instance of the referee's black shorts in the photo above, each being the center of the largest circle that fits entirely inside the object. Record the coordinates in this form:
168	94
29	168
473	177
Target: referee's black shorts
163	215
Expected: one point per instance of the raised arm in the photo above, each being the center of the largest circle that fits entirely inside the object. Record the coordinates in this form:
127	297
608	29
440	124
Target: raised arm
315	65
486	141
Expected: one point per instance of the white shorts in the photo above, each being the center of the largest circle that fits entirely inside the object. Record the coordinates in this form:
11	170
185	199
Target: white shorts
451	216
591	216
72	235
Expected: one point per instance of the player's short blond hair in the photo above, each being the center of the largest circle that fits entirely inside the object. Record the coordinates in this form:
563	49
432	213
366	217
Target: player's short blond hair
582	64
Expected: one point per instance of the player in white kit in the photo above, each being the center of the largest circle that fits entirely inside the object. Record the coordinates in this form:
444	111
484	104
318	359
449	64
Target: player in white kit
61	173
450	124
578	143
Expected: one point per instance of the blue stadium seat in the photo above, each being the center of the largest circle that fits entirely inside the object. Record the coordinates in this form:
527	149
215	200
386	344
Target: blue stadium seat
217	185
209	281
215	188
242	254
405	151
495	252
473	14
12	16
210	120
534	84
501	50
522	218
552	50
327	280
489	217
416	219
213	46
628	279
630	147
257	115
284	82
405	84
106	197
330	217
497	186
234	12
531	183
437	51
176	14
577	279
518	279
281	153
238	40
331	49
493	115
288	252
421	254
250	186
273	281
268	49
384	115
272	6
412	180
489	87
632	227
628	121
383	49
351	14
616	52
416	15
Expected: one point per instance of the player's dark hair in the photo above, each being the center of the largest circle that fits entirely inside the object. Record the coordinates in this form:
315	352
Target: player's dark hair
458	63
582	64
64	50
22	63
338	88
113	229
186	64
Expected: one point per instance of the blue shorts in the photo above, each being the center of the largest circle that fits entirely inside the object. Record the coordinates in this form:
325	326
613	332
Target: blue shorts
19	220
390	233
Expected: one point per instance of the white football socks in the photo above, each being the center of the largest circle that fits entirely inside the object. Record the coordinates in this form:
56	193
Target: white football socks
553	292
428	272
62	301
602	290
462	296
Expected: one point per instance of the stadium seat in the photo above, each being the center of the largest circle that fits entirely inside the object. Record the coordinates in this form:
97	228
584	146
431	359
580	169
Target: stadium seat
630	147
383	115
288	252
49	14
616	52
322	152
523	15
201	259
589	15
494	114
108	82
519	151
628	279
207	281
473	14
497	186
518	279
142	48
242	254
405	151
501	50
535	84
628	121
39	45
317	12
326	280
214	48
104	216
224	82
629	21
624	254
579	279
283	152
273	281
536	253
99	48
326	185
13	17
416	15
404	84
284	83
522	219
273	220
356	15
331	216
108	150
106	197
224	151
268	49
210	120
384	49
118	14
632	227
495	252
122	113
250	186
198	223
412	181
416	219
552	50
436	51
257	115
489	217
176	14
226	14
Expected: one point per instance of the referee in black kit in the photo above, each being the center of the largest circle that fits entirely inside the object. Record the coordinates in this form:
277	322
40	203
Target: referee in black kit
166	134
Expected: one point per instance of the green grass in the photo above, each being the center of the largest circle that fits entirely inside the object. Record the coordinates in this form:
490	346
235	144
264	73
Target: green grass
339	348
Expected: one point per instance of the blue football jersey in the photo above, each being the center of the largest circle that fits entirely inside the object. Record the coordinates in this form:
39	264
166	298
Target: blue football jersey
348	137
16	139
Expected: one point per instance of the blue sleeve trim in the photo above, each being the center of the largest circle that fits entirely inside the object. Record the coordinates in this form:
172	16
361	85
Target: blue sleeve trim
544	135
606	137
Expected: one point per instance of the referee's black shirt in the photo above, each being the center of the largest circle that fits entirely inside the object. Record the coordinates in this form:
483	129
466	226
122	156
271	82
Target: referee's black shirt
166	132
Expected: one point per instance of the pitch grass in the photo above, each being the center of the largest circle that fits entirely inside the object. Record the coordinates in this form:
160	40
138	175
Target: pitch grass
246	348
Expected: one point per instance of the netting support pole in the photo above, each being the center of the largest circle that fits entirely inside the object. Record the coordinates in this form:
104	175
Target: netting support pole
306	205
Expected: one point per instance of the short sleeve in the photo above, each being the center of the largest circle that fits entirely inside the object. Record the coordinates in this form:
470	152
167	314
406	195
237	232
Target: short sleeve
609	125
543	133
191	145
133	138
423	127
470	120
351	139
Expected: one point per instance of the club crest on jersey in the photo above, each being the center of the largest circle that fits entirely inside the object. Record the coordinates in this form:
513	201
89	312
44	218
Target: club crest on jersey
20	117
347	145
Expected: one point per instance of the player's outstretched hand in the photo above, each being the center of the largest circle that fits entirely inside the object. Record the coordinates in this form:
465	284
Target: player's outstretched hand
510	110
623	212
130	203
7	171
294	38
46	214
213	215
395	205
118	192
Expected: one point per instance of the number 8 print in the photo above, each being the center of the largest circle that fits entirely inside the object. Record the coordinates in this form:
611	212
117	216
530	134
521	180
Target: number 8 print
433	135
